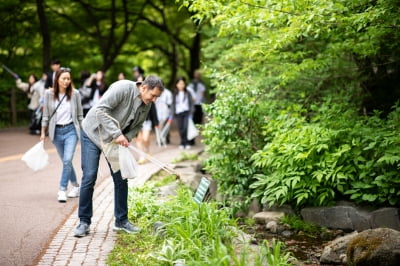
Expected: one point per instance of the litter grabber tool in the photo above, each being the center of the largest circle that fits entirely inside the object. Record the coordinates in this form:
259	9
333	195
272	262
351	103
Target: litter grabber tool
10	71
155	161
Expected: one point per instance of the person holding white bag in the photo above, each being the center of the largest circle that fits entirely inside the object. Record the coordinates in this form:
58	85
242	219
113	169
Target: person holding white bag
116	119
62	116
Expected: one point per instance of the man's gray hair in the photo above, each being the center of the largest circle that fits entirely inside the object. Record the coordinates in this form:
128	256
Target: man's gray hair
153	81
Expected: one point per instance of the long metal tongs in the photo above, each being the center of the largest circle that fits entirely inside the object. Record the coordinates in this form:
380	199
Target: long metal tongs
157	162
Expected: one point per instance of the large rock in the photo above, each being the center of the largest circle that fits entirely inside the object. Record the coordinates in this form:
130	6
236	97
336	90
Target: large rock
196	166
385	217
348	218
168	190
351	218
335	251
380	246
190	179
287	209
265	217
254	208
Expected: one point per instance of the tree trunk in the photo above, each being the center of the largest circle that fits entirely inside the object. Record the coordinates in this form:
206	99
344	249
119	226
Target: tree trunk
174	59
13	106
195	54
46	47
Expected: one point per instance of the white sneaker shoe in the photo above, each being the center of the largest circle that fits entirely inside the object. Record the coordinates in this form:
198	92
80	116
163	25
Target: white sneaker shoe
74	193
181	147
62	196
188	147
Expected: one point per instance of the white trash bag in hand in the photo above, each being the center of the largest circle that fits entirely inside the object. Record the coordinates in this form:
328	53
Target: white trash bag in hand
127	163
36	157
192	131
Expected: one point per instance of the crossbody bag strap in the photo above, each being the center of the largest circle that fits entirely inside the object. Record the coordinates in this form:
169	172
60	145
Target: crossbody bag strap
58	105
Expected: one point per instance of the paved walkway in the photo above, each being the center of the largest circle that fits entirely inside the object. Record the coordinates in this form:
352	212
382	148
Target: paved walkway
65	249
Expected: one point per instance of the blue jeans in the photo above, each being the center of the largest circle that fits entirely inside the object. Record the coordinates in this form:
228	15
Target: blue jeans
90	164
65	140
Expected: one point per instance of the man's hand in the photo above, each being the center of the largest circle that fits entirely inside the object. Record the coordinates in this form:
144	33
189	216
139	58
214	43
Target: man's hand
122	140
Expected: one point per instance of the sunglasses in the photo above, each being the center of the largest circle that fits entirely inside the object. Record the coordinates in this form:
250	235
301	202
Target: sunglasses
65	69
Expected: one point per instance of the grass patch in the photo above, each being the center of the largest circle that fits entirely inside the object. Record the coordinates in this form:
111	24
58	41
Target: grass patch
186	157
162	178
296	223
196	234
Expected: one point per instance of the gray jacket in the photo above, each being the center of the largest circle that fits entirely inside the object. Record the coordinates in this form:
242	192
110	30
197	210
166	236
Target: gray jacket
121	102
49	107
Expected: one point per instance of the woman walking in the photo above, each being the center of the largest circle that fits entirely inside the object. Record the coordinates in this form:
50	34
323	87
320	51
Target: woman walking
33	93
63	115
182	110
98	87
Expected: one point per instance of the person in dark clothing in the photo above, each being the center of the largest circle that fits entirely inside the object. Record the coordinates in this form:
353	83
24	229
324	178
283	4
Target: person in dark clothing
85	91
143	137
55	66
137	73
98	87
197	90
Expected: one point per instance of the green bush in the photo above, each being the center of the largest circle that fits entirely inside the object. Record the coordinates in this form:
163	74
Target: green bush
316	163
230	141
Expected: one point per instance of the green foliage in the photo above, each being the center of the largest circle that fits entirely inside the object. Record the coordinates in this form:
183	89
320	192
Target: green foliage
186	157
298	224
273	255
231	140
112	36
165	179
195	234
316	163
291	78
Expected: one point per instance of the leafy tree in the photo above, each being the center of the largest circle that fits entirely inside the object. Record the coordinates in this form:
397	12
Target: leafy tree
17	47
293	79
167	34
109	35
104	25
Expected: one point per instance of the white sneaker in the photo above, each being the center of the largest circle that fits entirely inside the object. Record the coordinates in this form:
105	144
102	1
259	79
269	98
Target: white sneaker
181	147
74	193
62	196
188	147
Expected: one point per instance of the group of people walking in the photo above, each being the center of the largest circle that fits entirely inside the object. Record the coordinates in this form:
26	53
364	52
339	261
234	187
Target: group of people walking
96	115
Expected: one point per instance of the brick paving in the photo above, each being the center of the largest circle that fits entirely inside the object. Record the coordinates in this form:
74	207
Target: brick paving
65	249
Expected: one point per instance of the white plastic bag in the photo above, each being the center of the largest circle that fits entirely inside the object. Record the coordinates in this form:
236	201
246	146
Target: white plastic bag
111	151
36	157
127	163
192	131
